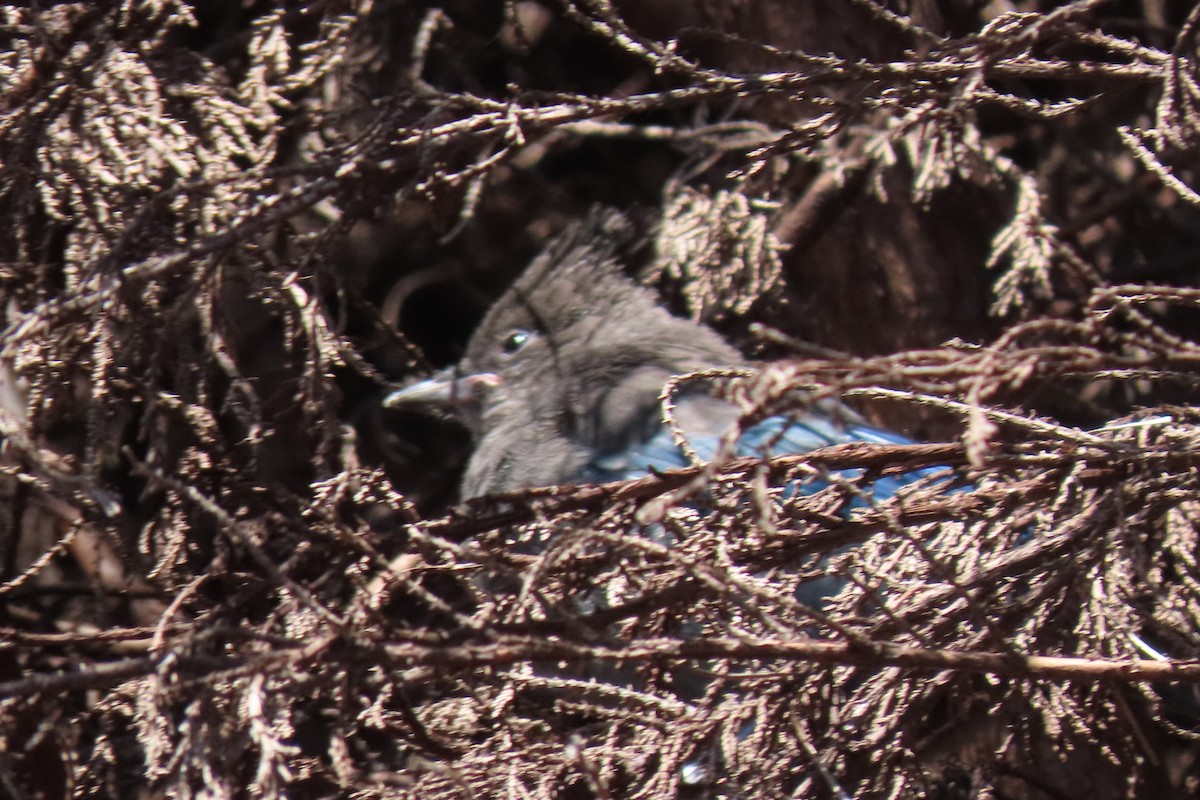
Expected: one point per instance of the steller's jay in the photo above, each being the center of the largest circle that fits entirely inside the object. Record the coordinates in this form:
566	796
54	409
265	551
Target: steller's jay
561	381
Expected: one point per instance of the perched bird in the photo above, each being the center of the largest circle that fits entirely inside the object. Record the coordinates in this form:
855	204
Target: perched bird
561	381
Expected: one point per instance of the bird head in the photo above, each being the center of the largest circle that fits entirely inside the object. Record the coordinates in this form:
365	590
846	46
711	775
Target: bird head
569	362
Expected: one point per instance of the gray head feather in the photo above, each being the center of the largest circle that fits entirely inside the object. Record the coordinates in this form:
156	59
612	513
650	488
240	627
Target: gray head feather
568	364
582	353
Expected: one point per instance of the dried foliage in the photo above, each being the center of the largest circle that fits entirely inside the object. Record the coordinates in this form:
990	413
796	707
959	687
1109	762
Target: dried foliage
223	574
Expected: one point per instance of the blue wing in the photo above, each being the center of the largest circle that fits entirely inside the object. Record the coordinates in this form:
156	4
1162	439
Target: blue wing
774	436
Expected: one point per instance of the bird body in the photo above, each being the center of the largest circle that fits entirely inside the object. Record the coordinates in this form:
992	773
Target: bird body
561	381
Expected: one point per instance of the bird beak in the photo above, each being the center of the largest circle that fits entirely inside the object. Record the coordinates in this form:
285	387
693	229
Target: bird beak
445	388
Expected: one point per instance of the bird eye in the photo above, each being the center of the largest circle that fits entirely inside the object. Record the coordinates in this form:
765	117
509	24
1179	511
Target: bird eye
514	342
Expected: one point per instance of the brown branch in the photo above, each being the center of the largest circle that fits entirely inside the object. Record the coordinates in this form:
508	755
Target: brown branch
803	651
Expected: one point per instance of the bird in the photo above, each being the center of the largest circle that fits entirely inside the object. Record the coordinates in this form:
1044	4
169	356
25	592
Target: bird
561	381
